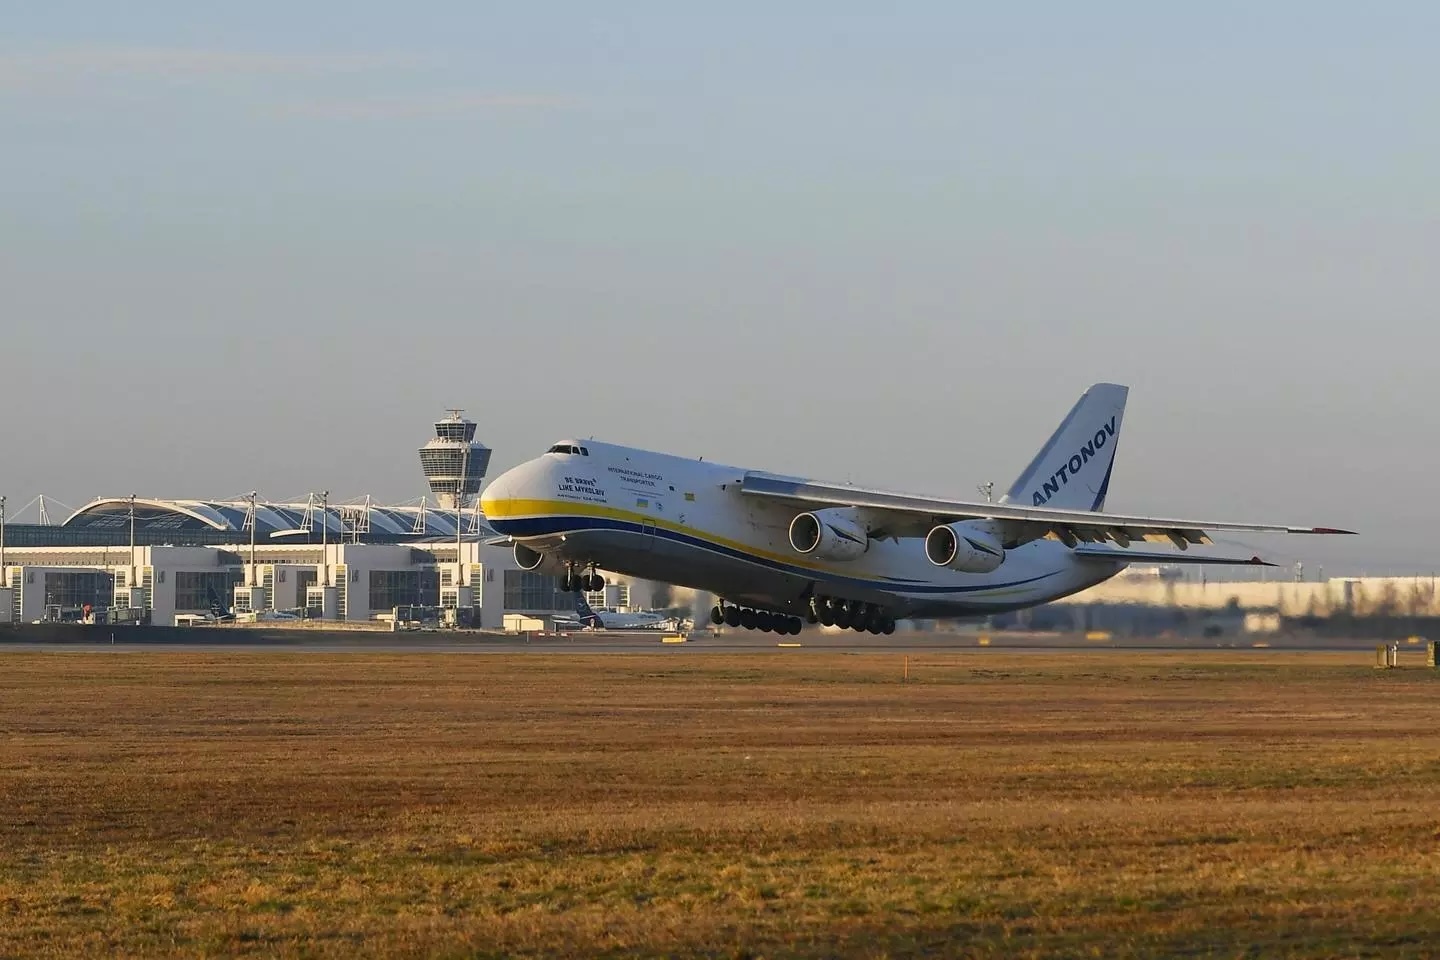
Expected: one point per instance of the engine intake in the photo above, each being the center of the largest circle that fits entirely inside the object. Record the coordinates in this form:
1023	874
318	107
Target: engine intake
968	547
829	535
533	560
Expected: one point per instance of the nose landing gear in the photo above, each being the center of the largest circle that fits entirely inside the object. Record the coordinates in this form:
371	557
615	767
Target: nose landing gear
572	582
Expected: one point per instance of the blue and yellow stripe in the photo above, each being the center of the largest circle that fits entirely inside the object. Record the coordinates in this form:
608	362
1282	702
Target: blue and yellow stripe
525	518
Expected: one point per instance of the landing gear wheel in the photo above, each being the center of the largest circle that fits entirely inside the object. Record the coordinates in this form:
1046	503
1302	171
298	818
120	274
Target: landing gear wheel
766	621
594	583
732	616
748	619
796	626
717	615
889	627
567	583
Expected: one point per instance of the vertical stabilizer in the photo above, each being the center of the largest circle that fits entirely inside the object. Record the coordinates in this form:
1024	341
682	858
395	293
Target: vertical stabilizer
218	610
583	610
1072	470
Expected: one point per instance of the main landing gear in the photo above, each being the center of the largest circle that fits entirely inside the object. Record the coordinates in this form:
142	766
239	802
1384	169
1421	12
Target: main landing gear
764	620
851	615
829	611
572	582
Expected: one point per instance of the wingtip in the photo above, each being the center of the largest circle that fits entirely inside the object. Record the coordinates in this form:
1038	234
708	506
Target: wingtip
1332	530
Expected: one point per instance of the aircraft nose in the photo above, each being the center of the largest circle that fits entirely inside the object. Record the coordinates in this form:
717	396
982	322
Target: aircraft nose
497	491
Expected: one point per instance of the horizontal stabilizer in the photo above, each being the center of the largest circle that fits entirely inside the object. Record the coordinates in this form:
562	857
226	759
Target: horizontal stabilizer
1162	556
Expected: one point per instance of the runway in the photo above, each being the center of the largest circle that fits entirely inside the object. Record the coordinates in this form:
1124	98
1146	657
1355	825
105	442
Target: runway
643	642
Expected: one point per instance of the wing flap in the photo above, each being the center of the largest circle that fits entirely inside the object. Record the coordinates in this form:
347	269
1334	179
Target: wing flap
1160	556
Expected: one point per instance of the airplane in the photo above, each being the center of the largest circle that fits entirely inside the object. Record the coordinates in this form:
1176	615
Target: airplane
783	550
606	620
219	613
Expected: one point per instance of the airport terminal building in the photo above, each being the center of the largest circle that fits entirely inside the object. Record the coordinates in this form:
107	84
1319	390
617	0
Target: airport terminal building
139	559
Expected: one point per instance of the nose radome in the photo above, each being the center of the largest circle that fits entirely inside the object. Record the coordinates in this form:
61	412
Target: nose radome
496	492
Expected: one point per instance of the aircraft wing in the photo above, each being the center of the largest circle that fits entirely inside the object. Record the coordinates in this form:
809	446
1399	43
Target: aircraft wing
900	514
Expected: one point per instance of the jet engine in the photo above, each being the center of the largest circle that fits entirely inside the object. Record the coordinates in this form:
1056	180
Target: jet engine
969	546
533	560
829	535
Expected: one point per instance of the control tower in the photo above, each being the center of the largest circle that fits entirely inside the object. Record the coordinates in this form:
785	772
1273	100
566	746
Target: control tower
454	462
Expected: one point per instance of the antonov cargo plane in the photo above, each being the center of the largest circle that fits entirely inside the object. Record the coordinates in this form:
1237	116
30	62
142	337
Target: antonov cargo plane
780	550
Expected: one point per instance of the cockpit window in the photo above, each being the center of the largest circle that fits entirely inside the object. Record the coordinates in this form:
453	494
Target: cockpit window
569	448
584	452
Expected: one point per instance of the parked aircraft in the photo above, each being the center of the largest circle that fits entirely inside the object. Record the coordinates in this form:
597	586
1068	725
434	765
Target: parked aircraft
586	616
219	613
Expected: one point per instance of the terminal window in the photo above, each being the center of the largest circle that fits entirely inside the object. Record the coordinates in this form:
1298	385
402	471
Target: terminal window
76	588
193	588
404	588
526	590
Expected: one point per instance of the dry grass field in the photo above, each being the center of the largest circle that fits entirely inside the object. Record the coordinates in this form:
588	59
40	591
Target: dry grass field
767	805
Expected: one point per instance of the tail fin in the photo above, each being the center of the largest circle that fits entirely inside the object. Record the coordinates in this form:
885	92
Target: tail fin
218	610
582	608
1072	470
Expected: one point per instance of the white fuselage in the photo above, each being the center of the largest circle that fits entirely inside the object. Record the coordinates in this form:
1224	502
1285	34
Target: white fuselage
686	522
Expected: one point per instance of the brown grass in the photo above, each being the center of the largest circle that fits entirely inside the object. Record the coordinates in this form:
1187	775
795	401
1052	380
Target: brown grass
1001	804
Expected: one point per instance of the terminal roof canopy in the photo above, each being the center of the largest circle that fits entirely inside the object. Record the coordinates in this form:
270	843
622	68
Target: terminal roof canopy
274	521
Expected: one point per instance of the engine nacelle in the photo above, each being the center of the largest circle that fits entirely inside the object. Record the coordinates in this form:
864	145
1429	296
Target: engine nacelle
534	561
829	535
969	546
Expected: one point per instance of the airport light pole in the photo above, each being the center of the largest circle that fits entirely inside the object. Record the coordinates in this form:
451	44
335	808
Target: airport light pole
250	581
324	547
4	574
134	564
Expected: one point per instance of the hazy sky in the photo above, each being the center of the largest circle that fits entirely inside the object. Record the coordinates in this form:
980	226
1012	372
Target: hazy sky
263	245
